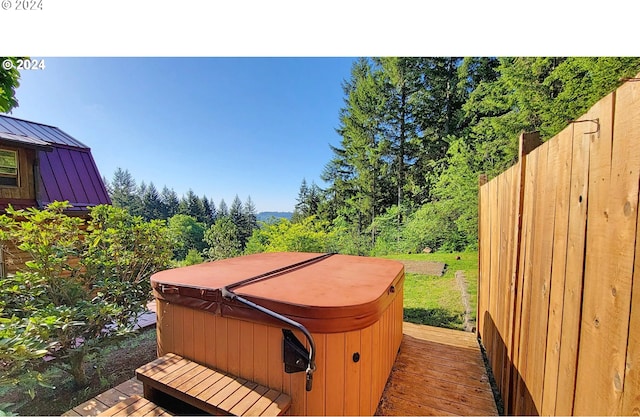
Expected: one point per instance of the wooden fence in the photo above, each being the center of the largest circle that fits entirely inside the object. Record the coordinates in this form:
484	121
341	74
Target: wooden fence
559	262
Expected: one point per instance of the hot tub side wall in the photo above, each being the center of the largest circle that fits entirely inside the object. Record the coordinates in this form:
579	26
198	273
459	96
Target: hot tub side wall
254	351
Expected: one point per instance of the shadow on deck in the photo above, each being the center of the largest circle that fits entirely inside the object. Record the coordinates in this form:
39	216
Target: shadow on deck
437	372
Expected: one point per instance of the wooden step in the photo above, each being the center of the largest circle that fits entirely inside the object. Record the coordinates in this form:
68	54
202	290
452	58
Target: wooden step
209	390
135	406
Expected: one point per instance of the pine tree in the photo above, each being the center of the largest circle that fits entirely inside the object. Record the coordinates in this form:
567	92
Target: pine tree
209	211
300	208
170	202
191	205
235	212
249	221
124	191
152	206
308	201
223	211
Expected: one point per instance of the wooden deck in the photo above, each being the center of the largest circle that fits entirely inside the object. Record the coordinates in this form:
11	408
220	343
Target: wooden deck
437	372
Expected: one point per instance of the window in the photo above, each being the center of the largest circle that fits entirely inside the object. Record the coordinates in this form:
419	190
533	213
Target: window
8	168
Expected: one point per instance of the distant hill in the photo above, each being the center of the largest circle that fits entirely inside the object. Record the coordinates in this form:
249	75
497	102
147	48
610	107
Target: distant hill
266	215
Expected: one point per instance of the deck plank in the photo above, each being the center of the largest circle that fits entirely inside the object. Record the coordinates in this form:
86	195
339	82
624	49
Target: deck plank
437	372
135	406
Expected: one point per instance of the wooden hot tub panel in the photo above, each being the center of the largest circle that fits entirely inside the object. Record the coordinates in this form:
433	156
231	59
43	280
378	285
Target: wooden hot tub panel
352	367
229	315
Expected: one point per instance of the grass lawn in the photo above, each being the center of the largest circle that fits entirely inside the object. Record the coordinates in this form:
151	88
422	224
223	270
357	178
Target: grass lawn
436	301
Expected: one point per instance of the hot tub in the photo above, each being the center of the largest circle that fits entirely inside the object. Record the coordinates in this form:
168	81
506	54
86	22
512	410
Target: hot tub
323	328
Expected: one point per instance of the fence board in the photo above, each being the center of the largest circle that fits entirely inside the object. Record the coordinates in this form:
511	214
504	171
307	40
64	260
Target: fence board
608	267
511	196
484	256
558	270
558	255
540	282
522	393
630	97
494	297
572	297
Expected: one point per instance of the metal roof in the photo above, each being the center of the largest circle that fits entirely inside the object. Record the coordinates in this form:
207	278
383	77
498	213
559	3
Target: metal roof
72	175
24	140
49	134
67	169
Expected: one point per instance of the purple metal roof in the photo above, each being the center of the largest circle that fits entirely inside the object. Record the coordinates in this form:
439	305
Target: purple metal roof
50	134
67	171
21	140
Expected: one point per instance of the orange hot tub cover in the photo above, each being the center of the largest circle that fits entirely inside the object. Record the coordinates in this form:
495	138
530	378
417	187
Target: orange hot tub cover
335	294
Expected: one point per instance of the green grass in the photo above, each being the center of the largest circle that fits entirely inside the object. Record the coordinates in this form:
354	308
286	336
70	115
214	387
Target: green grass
436	301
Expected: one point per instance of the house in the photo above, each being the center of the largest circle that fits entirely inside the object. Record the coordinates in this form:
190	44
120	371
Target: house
40	164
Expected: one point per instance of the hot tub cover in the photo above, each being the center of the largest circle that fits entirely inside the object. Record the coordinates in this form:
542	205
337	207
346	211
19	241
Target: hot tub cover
335	294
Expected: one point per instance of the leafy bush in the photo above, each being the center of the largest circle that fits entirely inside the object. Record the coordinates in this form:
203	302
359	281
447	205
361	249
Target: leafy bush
307	235
193	258
188	234
82	288
223	239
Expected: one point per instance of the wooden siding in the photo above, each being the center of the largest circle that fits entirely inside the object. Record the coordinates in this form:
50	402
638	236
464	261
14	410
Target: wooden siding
26	182
253	351
558	257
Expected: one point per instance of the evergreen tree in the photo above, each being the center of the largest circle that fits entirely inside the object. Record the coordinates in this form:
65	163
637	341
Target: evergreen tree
235	214
152	206
170	202
308	201
300	208
124	191
223	211
209	211
191	205
249	221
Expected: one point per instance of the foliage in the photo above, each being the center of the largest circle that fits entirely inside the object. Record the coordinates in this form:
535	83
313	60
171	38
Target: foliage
124	193
9	82
22	342
308	201
152	206
187	233
78	284
417	132
223	240
308	235
193	257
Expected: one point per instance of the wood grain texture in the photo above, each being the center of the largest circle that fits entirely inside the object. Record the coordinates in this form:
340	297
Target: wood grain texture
574	320
562	152
253	351
434	377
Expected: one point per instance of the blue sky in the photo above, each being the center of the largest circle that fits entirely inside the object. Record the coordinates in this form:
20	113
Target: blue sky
220	126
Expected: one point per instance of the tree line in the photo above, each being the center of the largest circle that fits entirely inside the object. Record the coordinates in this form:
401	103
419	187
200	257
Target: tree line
201	229
417	132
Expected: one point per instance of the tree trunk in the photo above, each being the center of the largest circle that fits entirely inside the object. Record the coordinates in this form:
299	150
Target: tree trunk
76	363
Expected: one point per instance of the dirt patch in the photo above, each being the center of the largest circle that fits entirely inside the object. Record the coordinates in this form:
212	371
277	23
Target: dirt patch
425	267
461	281
118	365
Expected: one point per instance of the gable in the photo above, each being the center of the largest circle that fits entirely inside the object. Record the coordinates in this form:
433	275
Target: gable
64	169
